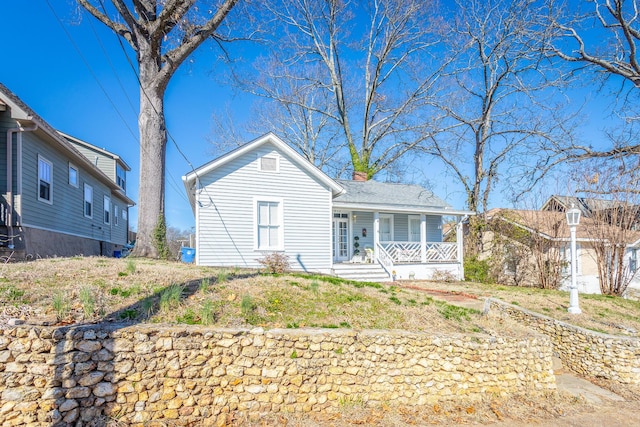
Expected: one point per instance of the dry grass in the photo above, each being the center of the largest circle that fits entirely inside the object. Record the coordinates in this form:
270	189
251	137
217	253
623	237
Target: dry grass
76	290
490	410
600	313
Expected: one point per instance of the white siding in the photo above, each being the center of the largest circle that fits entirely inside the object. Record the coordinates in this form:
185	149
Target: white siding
225	213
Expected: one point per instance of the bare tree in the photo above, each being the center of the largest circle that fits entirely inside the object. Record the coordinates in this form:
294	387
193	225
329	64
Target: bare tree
162	34
368	76
303	121
501	114
525	247
616	222
603	36
177	238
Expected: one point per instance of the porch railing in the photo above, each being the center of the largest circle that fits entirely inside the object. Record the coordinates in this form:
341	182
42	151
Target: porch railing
385	259
410	252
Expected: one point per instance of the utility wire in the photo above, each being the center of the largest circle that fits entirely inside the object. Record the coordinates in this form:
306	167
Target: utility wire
172	180
113	69
135	72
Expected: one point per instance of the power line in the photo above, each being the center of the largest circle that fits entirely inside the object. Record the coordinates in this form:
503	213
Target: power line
135	72
172	180
93	74
113	69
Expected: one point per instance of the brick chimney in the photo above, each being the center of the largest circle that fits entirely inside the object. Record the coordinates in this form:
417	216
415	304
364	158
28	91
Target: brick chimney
359	176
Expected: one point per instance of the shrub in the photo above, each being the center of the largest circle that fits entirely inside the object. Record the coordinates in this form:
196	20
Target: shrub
444	276
275	263
476	270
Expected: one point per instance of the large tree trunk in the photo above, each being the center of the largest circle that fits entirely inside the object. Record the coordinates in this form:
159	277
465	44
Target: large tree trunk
153	146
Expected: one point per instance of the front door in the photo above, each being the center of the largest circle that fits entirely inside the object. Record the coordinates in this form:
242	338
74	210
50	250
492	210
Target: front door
340	237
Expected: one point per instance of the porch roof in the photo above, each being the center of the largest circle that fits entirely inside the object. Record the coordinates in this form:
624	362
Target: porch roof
384	196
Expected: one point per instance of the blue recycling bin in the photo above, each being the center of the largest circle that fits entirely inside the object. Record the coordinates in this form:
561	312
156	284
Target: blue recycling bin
187	255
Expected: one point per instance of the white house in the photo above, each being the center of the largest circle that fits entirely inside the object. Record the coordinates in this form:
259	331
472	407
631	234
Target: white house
264	197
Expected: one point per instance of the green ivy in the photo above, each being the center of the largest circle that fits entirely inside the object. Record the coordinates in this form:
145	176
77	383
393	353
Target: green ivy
160	238
476	270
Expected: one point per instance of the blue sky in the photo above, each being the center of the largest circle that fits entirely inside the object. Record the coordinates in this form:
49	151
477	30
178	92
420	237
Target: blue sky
44	69
91	93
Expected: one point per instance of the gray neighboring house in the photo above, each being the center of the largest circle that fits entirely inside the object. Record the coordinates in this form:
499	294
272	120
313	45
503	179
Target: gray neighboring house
264	197
57	199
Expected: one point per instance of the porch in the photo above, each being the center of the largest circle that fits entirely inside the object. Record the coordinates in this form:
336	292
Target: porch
405	245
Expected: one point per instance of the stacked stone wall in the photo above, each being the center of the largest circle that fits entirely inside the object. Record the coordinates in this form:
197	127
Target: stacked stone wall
63	376
585	352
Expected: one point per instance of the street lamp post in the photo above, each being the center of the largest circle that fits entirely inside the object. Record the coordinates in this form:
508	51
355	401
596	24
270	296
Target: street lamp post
573	219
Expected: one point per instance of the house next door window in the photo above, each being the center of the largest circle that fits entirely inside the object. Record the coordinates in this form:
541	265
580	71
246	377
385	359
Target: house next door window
340	237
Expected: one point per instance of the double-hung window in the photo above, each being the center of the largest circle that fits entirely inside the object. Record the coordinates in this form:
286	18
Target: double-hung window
414	228
45	180
269	226
88	201
115	214
121	177
386	227
107	210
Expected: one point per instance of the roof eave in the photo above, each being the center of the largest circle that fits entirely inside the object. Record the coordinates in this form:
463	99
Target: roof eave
402	209
22	112
107	153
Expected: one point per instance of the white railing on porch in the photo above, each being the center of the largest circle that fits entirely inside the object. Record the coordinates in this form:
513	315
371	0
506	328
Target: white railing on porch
410	252
385	259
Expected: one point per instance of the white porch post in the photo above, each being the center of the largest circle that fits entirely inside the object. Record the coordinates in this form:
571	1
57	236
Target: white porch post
423	238
376	234
459	241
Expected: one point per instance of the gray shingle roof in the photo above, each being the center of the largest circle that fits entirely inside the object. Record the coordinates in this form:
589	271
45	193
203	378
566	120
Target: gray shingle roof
407	196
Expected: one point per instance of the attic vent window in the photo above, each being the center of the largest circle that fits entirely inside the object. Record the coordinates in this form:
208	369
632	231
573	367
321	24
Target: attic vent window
268	164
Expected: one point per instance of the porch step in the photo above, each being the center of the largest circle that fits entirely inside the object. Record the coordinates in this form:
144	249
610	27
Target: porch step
361	272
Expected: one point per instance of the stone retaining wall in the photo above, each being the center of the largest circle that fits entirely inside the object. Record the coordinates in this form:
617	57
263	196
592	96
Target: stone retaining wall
138	373
583	351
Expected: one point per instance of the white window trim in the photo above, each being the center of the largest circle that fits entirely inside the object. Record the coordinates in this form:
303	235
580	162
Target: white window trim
124	214
75	168
280	202
115	214
84	200
269	156
390	216
50	200
106	210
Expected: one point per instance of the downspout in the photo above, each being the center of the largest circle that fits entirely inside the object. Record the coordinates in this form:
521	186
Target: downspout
18	129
